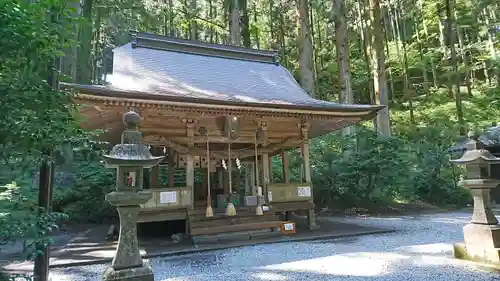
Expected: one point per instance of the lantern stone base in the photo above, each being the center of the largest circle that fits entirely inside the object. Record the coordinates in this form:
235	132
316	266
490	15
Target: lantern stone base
482	244
143	273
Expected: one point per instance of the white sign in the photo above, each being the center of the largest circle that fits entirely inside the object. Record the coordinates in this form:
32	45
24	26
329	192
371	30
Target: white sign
304	191
265	208
288	226
270	196
168	197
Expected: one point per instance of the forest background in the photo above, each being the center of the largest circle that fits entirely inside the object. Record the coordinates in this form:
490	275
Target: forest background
435	65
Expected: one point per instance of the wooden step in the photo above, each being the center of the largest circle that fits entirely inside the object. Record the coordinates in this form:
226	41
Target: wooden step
234	237
235	228
208	222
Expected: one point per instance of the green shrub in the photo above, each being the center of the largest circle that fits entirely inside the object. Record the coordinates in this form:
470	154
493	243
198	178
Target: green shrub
85	201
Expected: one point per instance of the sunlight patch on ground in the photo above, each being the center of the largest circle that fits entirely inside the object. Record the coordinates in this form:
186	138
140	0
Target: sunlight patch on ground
57	276
356	264
269	276
450	220
438	248
423	261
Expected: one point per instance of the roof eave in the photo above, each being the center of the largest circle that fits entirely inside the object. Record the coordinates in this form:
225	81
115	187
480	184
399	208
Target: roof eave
364	112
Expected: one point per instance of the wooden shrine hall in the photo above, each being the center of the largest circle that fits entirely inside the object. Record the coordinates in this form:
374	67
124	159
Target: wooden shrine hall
218	113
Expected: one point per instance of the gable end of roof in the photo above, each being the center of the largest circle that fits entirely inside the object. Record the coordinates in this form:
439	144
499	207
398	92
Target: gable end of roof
152	41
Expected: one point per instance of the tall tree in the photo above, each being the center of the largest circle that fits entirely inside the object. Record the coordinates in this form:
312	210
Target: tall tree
84	66
454	82
235	23
305	49
245	24
378	69
342	50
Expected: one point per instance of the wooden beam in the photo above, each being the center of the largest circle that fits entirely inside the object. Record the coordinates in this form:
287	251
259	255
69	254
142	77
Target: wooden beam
222	154
218	135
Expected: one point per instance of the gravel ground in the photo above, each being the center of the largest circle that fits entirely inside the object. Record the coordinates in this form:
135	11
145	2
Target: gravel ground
420	249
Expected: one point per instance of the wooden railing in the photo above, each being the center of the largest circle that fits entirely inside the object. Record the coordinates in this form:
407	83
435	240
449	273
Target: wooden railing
289	192
170	198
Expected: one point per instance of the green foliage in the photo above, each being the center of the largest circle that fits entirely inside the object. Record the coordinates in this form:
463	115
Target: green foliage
366	170
20	218
84	202
373	170
34	117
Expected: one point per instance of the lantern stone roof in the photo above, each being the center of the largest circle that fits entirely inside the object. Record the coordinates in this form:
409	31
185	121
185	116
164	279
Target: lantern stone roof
477	156
489	139
162	68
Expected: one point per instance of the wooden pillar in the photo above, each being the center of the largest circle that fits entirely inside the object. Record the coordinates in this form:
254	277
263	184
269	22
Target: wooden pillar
190	175
153	175
285	162
264	158
171	167
270	169
305	157
253	181
248	185
304	128
204	191
190	125
265	174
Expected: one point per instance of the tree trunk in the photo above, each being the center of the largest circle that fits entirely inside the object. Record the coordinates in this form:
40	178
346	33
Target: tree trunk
454	84
84	66
305	48
171	16
193	27
257	30
70	59
235	23
96	73
342	50
245	24
465	58
378	69
406	79
431	59
210	16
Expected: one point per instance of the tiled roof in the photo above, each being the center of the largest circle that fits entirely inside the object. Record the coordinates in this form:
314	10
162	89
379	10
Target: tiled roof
179	68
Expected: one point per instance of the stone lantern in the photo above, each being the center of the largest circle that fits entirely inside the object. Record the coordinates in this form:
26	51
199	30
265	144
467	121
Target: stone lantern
482	234
129	159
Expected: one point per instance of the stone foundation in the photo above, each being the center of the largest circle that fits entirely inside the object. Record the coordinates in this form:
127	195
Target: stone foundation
143	273
482	244
490	256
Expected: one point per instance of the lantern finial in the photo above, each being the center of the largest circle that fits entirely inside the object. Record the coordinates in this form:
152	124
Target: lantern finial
131	119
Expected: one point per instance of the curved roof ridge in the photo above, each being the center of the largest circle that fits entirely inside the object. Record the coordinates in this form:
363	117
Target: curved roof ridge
153	41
